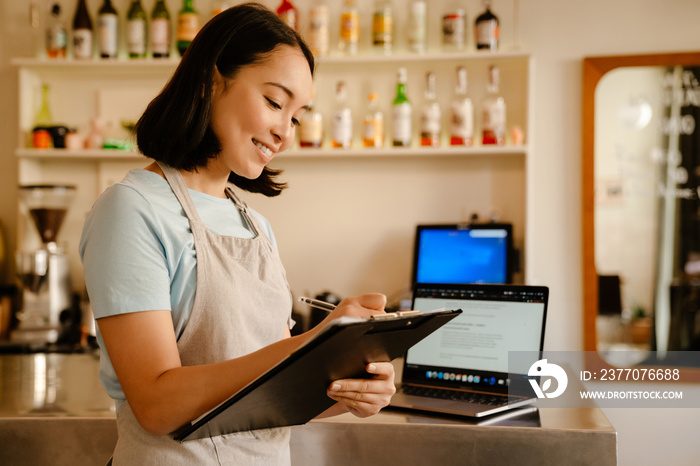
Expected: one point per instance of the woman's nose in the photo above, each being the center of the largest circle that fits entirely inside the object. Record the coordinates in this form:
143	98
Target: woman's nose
284	133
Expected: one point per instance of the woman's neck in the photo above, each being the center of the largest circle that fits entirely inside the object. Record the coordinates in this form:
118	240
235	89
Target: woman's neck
203	180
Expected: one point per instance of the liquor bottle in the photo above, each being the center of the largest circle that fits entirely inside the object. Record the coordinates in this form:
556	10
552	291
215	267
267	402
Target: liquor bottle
403	111
82	32
486	29
160	30
431	115
188	25
107	28
41	138
454	27
493	116
220	6
373	124
382	26
349	28
417	29
317	36
56	35
311	127
136	30
342	119
461	113
288	13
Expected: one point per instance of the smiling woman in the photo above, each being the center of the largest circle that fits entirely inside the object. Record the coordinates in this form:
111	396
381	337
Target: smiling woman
189	293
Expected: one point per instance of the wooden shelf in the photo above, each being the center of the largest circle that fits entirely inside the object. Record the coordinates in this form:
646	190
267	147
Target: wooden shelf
118	155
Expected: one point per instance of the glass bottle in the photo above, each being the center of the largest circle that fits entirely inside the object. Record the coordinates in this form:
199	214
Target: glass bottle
431	115
220	6
311	127
107	30
403	112
349	28
82	32
373	124
493	116
317	36
160	30
382	26
454	23
486	29
41	138
136	30
417	28
56	34
188	25
342	119
288	13
461	113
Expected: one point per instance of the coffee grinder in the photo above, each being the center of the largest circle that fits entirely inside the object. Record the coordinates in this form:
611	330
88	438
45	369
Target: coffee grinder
44	272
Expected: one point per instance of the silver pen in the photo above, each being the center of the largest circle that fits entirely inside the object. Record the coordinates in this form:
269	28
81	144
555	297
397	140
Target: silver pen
318	304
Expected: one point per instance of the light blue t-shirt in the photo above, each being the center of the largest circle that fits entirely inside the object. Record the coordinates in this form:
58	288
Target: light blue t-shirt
138	252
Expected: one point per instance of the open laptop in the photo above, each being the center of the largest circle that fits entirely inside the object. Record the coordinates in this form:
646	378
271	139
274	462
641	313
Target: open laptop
462	368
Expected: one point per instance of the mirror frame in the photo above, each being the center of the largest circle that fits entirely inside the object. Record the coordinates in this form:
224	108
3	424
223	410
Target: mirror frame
594	68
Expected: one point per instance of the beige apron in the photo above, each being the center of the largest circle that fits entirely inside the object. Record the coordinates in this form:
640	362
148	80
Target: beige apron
242	304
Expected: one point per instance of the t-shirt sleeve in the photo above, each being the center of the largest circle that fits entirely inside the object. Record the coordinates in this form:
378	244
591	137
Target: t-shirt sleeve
123	256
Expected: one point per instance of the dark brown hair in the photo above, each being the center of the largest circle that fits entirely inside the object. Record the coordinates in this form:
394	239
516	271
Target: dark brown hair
174	128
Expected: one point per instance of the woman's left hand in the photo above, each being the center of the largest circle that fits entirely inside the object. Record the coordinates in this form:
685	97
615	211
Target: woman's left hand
366	397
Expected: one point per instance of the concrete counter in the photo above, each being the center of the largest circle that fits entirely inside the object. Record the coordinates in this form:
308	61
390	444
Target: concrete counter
53	410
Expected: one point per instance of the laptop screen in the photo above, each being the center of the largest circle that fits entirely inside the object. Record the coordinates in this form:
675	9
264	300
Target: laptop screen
473	253
472	350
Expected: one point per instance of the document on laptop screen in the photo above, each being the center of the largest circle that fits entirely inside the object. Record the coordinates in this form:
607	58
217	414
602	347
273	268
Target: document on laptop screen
481	336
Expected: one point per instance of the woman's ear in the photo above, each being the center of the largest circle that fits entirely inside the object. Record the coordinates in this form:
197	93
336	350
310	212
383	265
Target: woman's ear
218	82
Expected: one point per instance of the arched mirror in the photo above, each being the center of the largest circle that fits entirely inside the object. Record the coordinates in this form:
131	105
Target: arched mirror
641	205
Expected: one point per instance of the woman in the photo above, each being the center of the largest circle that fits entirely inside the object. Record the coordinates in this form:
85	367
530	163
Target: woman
190	297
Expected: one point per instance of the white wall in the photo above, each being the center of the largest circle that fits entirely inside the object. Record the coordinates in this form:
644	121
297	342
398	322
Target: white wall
559	33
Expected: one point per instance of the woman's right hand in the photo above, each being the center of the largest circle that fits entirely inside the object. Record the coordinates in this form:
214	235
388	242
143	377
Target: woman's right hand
362	306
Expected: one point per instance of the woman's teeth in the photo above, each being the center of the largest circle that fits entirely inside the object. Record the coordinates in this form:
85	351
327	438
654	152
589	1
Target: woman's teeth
264	148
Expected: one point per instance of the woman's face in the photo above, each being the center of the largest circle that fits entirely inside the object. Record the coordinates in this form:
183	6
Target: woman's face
254	115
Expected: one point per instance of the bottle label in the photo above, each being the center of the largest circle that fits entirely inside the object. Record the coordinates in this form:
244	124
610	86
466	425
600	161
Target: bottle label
349	26
289	17
430	121
487	34
373	131
311	132
136	36
453	30
494	121
160	36
342	128
107	24
82	43
318	31
417	27
462	122
56	40
187	26
402	124
382	28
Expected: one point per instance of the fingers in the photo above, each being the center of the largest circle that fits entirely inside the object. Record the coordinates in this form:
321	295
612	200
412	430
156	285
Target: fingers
376	301
365	397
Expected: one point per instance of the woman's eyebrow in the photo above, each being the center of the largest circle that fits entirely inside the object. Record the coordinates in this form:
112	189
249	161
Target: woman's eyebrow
287	91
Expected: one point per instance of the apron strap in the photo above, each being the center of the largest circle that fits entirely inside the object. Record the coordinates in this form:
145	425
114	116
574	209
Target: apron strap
243	207
177	184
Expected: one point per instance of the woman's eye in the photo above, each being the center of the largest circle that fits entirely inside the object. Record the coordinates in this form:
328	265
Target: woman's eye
295	122
273	104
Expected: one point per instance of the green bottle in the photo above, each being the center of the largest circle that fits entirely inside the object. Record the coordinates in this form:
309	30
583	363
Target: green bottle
403	112
136	30
160	30
187	26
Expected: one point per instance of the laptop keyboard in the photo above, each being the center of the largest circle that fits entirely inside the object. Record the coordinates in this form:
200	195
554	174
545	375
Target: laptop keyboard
458	395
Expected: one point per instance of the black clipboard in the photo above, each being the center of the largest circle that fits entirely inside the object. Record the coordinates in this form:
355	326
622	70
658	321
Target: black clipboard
294	391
